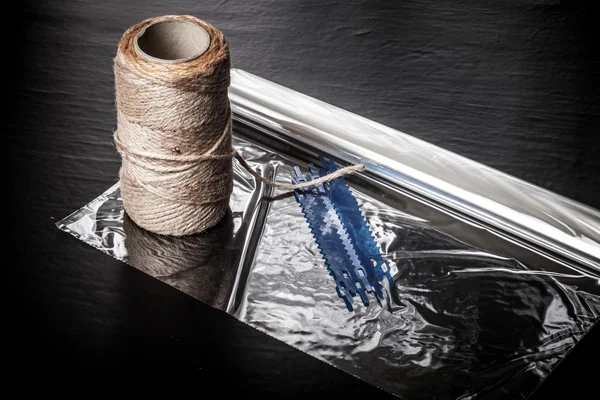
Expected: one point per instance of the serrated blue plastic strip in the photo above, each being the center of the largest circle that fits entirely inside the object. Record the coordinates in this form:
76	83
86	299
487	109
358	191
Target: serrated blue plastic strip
342	235
327	230
354	221
358	271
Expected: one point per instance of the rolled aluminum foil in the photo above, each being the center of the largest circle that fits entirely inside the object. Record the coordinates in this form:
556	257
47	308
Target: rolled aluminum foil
527	211
491	288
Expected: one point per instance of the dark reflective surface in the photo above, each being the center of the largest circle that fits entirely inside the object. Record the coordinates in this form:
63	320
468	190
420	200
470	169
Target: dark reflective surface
512	85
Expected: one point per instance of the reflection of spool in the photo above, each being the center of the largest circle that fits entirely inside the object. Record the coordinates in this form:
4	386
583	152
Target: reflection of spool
201	265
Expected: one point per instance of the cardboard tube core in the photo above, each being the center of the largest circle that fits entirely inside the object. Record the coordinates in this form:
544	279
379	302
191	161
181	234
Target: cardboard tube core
172	41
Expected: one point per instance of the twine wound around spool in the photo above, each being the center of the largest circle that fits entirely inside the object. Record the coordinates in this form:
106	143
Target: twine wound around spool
172	75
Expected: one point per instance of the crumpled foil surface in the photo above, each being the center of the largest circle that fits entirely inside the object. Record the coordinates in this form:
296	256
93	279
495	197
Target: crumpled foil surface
470	313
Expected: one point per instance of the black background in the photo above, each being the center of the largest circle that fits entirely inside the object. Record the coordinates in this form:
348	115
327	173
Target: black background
512	84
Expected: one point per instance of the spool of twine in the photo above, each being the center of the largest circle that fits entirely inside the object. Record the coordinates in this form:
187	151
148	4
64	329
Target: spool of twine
174	126
202	265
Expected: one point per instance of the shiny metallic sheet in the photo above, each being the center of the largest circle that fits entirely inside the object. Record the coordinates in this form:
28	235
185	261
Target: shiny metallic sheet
512	205
475	310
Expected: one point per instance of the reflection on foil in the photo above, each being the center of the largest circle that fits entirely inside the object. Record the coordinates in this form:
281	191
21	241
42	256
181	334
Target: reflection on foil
201	265
471	313
474	321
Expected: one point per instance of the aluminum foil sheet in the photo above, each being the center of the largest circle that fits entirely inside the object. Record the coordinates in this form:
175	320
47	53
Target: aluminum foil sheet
473	310
462	320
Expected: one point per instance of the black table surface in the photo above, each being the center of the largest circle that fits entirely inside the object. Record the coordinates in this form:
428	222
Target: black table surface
511	84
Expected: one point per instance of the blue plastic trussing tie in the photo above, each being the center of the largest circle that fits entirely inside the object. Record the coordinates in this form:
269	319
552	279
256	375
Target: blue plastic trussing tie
342	235
354	221
327	231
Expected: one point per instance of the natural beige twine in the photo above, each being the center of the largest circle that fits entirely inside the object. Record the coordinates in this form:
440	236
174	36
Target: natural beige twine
174	136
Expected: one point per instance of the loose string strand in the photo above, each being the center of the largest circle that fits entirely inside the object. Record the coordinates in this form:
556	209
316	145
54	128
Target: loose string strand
327	178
